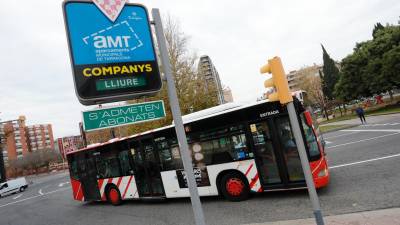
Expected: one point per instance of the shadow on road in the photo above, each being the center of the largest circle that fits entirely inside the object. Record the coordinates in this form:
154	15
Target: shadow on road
267	196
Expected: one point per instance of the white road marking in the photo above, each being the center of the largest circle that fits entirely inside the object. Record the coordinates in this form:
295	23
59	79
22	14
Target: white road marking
62	184
36	196
368	139
328	142
17	196
337	135
381	124
364	161
376	130
40	192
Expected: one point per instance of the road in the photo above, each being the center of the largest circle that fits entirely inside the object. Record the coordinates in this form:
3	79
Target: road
364	170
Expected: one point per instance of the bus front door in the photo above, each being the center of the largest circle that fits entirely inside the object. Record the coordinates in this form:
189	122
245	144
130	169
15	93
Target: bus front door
276	153
291	157
265	154
147	169
87	171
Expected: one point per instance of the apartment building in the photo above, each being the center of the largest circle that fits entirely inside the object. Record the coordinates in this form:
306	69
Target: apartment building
14	139
294	77
18	139
40	137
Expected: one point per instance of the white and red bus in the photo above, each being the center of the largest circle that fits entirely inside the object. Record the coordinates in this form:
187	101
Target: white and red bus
235	150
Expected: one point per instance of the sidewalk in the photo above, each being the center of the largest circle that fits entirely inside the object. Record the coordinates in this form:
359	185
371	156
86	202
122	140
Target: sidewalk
369	119
377	217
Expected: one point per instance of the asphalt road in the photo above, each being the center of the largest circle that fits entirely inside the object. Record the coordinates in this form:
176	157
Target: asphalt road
364	166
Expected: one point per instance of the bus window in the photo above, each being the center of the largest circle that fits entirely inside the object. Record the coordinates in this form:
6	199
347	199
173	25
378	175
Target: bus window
169	153
239	146
107	164
311	140
220	145
74	168
290	151
126	168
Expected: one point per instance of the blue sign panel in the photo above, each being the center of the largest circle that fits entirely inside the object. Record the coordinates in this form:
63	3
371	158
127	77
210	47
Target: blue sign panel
111	53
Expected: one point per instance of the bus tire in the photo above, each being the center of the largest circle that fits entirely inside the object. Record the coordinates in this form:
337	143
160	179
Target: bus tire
234	187
114	196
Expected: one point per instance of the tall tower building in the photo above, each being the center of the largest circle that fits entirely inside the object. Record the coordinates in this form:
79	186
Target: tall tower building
207	68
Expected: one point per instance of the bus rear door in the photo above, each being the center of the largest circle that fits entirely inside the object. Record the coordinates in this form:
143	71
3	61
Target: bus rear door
87	177
147	168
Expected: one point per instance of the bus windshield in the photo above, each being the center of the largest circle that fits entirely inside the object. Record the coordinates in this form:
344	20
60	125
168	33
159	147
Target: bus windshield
311	140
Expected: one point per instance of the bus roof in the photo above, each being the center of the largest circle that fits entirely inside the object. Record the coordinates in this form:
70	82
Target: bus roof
200	115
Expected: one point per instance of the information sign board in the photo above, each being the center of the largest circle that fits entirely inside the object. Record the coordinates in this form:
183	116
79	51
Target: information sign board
111	61
122	115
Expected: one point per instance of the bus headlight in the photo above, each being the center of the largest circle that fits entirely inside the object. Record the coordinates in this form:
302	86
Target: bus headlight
322	173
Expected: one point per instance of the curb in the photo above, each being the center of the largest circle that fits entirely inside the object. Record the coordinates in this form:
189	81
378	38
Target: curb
345	126
383	114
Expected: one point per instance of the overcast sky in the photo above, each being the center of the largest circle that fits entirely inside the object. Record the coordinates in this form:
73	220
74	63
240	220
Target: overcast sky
35	72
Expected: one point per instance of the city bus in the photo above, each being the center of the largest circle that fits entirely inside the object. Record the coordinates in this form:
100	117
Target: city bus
236	150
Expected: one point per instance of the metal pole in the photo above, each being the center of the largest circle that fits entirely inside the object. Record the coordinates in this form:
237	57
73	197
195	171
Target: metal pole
305	163
176	114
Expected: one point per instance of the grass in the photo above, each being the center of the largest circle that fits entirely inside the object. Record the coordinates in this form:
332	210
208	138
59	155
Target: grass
373	111
338	118
386	110
328	128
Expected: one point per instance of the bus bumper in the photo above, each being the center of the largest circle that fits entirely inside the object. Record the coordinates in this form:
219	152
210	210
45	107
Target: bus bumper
322	179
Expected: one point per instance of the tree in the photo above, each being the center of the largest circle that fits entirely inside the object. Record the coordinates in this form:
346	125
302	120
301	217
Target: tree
191	88
352	84
377	27
314	95
373	66
330	75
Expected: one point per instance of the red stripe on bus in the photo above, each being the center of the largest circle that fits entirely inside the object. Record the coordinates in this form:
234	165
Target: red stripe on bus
119	182
248	170
254	181
127	186
260	189
79	195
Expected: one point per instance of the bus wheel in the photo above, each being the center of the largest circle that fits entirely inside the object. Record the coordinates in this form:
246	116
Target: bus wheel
234	187
113	196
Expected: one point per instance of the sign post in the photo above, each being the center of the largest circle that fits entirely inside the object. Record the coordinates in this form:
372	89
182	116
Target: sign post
113	59
176	113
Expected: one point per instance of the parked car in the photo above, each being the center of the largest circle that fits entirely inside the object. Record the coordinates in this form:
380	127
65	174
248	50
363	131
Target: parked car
13	186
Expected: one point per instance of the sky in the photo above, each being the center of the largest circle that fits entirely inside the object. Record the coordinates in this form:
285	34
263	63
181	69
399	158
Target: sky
35	71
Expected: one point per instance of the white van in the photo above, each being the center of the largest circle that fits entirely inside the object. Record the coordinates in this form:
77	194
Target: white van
13	186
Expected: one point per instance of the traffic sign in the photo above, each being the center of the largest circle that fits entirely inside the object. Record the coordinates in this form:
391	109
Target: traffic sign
122	115
111	61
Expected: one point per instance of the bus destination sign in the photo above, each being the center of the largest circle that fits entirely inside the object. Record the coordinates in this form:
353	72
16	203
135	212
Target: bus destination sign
111	61
122	115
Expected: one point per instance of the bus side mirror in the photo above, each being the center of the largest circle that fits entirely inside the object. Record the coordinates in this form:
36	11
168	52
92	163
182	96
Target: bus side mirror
308	116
